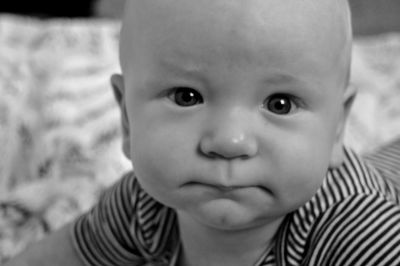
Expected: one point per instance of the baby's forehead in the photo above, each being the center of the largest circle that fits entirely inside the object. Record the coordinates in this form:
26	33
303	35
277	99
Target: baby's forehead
327	19
239	9
322	23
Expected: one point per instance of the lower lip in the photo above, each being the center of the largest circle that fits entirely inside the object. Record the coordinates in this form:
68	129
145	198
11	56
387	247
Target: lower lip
225	189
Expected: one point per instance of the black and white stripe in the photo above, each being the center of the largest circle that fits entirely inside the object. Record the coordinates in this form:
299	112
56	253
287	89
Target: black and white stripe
387	161
354	219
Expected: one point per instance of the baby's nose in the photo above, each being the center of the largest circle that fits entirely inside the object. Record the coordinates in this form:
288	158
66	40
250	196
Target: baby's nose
229	141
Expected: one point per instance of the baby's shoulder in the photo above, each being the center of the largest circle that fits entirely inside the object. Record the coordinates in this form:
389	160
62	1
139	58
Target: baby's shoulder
355	180
362	229
355	213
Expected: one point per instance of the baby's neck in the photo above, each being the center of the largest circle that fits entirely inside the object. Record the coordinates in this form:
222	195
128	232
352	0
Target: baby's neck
205	246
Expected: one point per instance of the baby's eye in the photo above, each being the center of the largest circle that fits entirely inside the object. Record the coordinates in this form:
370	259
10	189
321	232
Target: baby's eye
280	104
185	97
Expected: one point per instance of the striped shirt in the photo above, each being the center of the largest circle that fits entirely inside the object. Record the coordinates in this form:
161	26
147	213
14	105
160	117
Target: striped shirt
353	219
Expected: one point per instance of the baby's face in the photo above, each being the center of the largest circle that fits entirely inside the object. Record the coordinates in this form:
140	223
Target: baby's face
233	107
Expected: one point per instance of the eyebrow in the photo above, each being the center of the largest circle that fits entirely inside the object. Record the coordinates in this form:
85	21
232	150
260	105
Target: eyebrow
279	79
283	78
196	72
189	70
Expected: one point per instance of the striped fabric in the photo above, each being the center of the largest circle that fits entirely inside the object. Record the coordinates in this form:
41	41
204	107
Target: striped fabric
354	219
387	161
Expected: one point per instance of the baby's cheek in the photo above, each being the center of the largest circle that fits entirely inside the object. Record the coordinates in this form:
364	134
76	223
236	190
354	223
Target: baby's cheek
155	161
303	174
152	175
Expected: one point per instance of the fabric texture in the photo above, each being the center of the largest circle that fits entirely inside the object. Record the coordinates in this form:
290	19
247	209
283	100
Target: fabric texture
354	219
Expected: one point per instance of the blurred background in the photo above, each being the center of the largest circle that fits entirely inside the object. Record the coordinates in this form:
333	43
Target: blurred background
369	16
60	139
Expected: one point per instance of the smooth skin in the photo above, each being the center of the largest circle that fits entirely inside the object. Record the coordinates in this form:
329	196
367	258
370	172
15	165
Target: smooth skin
232	111
233	117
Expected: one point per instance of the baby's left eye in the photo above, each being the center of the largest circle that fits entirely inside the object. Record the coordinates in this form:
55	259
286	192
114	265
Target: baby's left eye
280	104
186	97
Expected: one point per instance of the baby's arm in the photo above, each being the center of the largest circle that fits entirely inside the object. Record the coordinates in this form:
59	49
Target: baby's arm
56	249
109	234
95	238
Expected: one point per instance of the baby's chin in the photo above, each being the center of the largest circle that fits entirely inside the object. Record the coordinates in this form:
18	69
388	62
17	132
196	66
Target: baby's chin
228	215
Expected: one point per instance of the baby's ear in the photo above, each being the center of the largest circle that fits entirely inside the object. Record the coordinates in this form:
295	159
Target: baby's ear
117	83
337	153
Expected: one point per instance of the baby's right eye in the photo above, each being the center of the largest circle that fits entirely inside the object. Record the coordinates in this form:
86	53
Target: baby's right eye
184	96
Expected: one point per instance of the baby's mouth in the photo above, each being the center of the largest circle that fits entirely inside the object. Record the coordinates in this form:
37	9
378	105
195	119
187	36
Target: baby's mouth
226	189
212	185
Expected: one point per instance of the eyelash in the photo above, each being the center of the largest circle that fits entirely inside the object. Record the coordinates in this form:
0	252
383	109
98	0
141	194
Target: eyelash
193	97
177	95
281	99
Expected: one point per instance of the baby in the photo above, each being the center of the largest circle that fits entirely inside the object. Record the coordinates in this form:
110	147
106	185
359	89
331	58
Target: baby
233	115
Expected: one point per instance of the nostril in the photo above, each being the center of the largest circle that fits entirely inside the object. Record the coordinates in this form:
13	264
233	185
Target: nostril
229	148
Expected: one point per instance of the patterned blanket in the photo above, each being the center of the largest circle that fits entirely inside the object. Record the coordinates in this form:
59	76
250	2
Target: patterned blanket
59	124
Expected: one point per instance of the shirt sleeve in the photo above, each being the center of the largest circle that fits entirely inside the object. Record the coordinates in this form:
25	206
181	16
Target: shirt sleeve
386	160
363	230
111	233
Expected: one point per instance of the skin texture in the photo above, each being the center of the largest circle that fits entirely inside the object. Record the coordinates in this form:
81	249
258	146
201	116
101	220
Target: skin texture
203	88
232	111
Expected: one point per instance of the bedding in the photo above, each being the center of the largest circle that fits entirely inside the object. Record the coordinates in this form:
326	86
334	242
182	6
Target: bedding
59	123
